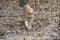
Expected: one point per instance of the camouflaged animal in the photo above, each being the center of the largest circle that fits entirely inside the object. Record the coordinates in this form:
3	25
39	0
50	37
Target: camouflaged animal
29	16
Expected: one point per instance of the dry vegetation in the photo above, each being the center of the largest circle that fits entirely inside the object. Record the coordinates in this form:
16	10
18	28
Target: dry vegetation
46	25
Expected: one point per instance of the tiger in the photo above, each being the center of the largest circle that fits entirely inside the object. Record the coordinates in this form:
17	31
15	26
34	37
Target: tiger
28	16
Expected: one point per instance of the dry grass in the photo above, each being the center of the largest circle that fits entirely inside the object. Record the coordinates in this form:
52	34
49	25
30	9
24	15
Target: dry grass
12	26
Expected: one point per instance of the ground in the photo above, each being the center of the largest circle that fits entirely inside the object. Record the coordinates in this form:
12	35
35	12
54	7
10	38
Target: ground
46	25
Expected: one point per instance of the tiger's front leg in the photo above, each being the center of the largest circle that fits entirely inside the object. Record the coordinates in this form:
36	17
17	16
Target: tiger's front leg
28	25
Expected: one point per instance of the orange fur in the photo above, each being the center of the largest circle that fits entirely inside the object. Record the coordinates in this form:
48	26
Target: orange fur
28	10
29	13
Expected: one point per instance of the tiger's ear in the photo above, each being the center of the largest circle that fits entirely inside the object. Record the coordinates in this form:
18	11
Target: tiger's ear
35	13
